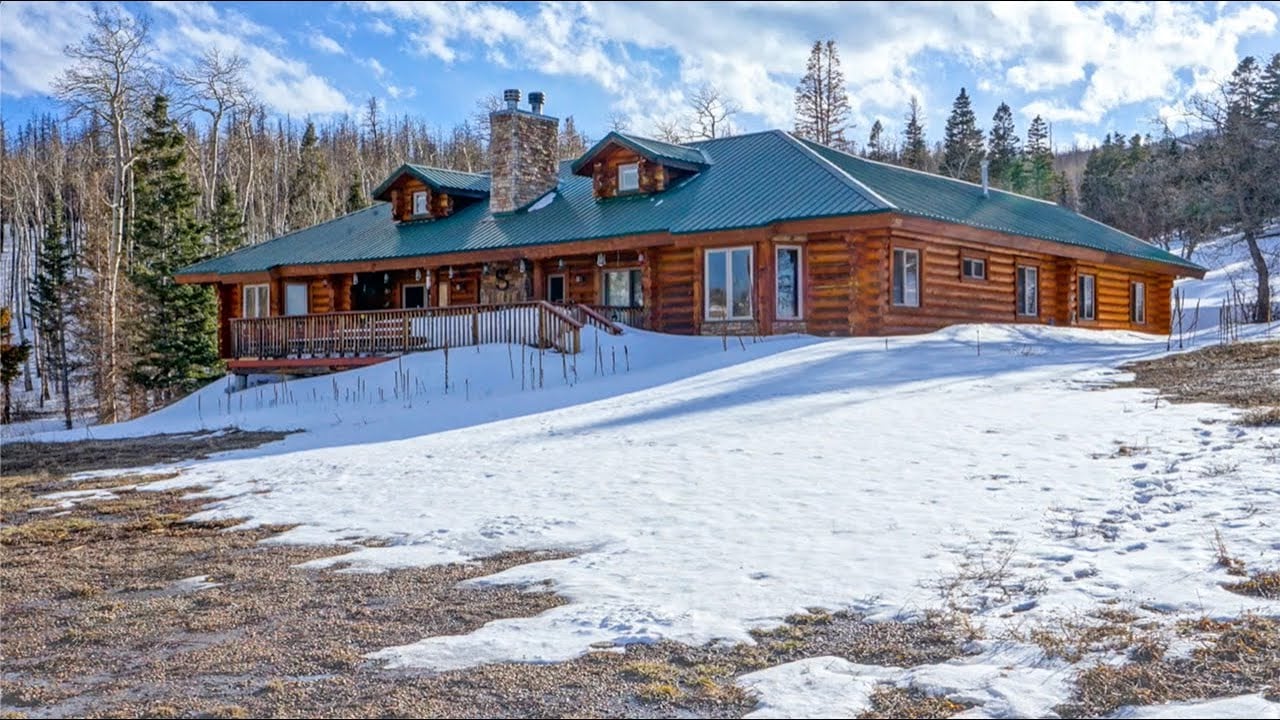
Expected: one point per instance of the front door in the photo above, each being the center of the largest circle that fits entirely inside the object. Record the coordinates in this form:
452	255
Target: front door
414	296
555	288
444	294
295	299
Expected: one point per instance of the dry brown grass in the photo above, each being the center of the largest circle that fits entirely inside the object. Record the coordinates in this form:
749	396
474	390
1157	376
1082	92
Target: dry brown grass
1103	630
64	458
1262	583
888	701
1238	657
1240	374
1262	417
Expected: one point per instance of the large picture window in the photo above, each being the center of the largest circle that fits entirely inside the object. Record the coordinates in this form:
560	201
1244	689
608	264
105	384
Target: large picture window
257	301
1028	291
906	278
1088	297
728	293
1138	302
788	283
623	288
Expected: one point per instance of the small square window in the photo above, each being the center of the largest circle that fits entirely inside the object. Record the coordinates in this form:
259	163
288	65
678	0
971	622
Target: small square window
974	268
420	203
629	177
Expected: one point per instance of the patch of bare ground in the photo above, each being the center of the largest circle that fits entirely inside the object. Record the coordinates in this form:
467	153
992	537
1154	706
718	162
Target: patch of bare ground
107	613
888	701
1235	657
62	458
1240	374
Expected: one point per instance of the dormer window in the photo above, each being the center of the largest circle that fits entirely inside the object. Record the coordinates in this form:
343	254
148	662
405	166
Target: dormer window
420	203
629	177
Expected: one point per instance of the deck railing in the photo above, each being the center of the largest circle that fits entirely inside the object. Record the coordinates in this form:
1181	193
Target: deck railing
385	332
635	317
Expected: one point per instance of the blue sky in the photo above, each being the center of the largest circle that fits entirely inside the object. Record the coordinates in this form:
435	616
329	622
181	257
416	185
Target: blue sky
1089	68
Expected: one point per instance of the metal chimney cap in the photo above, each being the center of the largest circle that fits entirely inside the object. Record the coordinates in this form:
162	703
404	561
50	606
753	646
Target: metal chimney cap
537	99
512	97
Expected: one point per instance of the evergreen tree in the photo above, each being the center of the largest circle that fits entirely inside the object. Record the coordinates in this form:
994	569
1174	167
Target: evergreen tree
177	325
51	300
915	150
11	358
226	226
572	142
306	193
962	148
876	149
355	195
822	103
1269	92
1038	160
1004	153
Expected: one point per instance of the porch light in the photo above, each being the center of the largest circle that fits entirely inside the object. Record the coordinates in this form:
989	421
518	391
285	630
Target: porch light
486	268
520	264
640	257
386	278
450	272
417	274
561	264
600	259
355	278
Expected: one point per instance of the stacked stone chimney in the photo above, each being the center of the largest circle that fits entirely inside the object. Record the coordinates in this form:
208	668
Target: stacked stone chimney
523	150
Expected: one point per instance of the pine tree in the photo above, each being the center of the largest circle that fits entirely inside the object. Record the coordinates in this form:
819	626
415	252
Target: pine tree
822	103
11	359
1038	159
51	300
915	149
1269	93
226	226
307	193
1004	153
177	325
572	142
962	148
876	149
355	195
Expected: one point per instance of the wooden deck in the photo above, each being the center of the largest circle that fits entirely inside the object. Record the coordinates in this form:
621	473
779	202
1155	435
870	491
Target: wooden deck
329	341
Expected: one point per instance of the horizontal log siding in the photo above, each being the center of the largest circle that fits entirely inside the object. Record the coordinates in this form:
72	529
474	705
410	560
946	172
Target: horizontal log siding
678	301
828	281
1113	292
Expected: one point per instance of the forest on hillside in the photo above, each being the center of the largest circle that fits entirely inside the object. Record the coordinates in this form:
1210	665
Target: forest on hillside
146	169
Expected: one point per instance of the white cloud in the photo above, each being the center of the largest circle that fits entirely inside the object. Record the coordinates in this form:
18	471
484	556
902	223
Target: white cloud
32	38
376	67
381	27
285	84
325	44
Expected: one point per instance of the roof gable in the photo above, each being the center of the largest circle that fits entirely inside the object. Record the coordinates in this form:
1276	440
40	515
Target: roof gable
453	182
665	153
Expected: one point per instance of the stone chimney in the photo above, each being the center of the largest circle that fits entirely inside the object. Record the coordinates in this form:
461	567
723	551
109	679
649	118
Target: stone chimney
523	153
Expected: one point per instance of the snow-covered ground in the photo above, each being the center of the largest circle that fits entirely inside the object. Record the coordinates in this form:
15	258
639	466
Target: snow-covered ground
709	489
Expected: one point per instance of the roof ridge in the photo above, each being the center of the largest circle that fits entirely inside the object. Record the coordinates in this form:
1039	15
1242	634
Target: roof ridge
444	169
936	175
849	181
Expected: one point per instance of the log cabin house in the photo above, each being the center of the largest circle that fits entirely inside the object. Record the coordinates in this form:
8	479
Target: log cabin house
752	234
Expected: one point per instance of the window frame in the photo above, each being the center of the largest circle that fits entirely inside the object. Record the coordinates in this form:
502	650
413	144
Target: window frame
728	281
893	261
982	263
404	289
799	249
413	203
1138	310
1092	306
262	304
629	166
1020	295
634	281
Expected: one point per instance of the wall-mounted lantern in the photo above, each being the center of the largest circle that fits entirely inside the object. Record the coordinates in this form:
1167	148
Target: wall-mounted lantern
417	274
640	257
600	260
450	272
560	264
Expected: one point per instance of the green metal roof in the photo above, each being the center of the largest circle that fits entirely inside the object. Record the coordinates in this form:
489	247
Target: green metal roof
449	181
913	192
748	181
680	156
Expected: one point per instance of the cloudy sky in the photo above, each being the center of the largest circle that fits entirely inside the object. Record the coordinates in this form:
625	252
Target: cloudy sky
1089	68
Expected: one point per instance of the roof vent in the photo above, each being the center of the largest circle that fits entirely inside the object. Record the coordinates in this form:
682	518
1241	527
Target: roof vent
986	164
512	98
536	100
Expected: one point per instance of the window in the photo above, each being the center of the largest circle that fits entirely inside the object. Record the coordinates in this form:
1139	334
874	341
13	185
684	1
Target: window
1088	297
629	177
295	299
623	288
420	203
788	283
555	288
414	296
1138	302
729	284
1028	290
906	278
973	268
257	301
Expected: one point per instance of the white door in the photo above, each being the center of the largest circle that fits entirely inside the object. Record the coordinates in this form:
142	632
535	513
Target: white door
295	299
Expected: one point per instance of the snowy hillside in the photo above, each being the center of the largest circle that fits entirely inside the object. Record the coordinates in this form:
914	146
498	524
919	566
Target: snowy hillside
709	487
